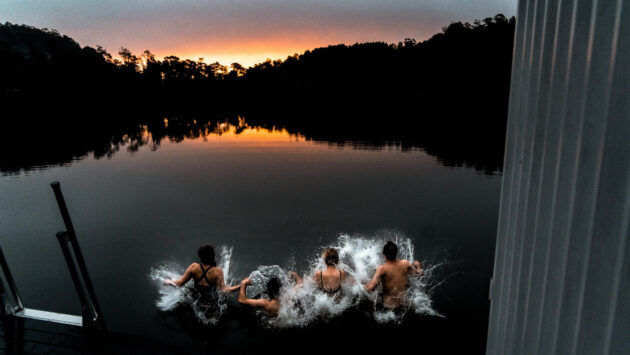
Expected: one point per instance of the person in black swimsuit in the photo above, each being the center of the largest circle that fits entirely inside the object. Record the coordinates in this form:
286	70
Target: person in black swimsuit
330	280
207	276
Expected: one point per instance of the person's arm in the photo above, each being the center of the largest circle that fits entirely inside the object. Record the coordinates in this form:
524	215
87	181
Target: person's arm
182	280
294	275
317	277
347	278
417	268
242	297
221	283
229	289
371	286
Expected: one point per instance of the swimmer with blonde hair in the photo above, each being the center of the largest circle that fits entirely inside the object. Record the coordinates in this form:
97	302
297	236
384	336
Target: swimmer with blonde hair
330	279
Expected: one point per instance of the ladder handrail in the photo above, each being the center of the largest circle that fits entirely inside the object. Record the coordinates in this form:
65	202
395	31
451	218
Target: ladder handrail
70	236
9	277
91	316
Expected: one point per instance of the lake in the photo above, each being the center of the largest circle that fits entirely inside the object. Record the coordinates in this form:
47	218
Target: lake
276	199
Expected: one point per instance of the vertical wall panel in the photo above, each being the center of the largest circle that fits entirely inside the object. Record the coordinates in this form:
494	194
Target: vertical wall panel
556	54
521	177
498	287
562	160
617	333
561	272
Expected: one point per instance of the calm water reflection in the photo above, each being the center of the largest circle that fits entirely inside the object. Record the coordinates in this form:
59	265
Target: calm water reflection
275	197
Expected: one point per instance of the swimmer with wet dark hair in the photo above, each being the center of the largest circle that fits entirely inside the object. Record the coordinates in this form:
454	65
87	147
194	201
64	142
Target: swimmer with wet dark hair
393	276
206	275
269	306
208	279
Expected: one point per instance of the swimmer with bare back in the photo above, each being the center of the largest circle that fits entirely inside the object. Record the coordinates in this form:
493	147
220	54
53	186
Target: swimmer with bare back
393	276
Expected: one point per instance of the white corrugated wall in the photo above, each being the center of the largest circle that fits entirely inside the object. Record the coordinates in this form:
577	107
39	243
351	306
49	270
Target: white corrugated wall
561	281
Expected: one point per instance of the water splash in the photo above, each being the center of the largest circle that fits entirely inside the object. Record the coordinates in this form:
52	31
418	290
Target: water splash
358	257
301	305
224	262
170	297
261	276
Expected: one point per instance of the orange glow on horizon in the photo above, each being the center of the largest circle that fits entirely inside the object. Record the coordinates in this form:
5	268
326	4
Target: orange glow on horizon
245	52
256	134
252	137
227	133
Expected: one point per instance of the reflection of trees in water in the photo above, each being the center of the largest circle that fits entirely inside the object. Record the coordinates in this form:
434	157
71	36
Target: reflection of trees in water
447	95
51	144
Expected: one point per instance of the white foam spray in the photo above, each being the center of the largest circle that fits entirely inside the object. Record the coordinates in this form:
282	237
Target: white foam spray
359	256
171	297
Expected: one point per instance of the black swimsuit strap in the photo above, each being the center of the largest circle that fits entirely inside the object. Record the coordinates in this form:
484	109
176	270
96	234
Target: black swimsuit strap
321	276
204	272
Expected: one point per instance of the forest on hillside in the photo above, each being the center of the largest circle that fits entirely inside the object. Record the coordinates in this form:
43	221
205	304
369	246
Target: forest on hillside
447	95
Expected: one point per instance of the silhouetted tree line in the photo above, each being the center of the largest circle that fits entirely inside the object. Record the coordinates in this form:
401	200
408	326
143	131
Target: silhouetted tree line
447	95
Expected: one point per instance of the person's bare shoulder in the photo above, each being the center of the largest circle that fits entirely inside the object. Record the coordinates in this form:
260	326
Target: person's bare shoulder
215	272
404	264
381	269
193	269
270	306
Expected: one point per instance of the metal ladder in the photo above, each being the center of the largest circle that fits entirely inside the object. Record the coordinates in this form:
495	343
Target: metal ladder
91	316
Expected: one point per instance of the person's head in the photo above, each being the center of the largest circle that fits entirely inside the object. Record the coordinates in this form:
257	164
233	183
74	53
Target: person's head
206	254
273	287
331	256
390	250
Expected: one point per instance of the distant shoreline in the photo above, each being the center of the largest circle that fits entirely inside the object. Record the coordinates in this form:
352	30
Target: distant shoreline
447	95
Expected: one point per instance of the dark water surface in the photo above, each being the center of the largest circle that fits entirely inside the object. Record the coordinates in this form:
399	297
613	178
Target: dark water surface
276	199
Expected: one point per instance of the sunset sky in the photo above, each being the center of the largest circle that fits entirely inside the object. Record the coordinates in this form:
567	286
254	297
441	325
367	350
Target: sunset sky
242	31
